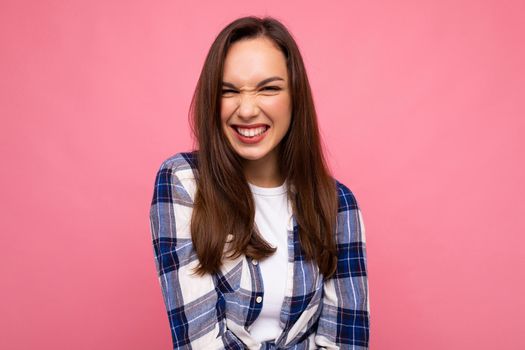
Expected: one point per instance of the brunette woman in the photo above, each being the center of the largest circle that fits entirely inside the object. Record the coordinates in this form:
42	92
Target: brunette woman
256	245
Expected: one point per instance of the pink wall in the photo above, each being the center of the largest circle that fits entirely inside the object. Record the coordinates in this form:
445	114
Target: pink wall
421	107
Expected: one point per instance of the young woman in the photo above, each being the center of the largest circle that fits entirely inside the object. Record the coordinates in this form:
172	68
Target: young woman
256	245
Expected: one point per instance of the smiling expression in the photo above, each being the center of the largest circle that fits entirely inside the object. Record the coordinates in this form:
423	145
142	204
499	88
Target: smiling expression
255	98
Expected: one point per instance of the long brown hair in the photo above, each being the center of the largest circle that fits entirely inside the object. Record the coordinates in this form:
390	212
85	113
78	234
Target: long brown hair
223	202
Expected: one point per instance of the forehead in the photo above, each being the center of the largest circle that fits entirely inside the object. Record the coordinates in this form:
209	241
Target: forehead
250	60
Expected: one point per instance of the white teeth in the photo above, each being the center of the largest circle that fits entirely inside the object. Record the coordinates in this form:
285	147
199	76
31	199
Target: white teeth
251	132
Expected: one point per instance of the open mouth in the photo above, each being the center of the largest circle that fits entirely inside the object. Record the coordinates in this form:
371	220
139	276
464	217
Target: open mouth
250	132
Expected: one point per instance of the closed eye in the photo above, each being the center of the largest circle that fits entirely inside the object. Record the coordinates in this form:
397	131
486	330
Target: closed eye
274	88
270	88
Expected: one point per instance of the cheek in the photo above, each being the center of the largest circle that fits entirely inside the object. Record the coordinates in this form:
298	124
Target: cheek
226	110
277	107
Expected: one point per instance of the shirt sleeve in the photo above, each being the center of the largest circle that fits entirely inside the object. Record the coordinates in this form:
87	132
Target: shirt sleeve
345	316
195	318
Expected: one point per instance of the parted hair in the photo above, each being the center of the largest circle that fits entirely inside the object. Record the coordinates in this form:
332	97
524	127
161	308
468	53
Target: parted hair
223	202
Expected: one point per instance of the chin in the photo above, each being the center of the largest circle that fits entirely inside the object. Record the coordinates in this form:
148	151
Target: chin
252	156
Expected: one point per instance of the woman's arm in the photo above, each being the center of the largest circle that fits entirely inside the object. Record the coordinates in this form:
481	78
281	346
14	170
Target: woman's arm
190	299
345	317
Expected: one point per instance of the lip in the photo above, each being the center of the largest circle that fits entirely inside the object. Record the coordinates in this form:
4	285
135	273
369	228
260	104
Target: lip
250	140
251	126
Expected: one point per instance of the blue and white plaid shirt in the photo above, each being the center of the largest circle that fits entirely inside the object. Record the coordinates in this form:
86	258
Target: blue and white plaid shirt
216	311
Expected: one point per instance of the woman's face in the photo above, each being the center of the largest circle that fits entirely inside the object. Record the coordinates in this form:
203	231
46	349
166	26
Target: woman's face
255	98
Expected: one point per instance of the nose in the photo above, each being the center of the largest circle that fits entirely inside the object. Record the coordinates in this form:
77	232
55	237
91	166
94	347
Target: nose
248	106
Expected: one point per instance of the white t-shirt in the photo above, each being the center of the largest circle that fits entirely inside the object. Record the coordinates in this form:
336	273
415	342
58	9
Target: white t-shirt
271	216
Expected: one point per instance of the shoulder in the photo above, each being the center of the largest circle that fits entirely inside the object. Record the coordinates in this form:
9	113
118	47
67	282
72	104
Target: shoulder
176	178
181	164
350	228
346	198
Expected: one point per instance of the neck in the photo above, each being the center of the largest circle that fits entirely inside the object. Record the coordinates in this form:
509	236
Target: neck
264	172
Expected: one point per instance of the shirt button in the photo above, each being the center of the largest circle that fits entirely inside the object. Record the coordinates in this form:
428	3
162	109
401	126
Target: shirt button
258	299
255	262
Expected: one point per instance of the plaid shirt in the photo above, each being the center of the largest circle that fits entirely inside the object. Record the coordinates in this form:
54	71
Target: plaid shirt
216	311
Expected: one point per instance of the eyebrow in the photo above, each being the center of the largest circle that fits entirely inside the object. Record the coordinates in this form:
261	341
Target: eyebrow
259	84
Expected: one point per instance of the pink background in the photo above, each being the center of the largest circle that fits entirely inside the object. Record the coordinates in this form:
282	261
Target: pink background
421	106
